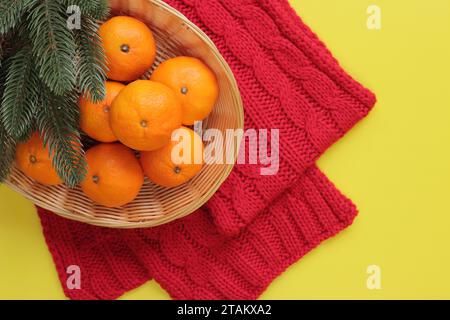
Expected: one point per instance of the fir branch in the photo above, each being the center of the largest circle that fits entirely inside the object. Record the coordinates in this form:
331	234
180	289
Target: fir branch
57	121
20	95
7	144
11	12
53	46
7	153
43	66
91	61
98	9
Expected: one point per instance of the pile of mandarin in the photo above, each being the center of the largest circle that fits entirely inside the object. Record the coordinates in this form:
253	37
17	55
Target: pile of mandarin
133	125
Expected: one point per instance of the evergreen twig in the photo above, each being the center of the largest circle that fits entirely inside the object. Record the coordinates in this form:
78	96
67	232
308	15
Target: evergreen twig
11	12
57	121
7	153
98	10
53	46
20	95
7	143
92	61
44	66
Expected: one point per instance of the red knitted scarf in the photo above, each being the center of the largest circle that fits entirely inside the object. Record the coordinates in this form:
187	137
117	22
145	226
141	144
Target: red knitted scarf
255	226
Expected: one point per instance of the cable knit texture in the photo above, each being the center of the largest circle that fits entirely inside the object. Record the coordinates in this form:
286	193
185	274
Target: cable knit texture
291	83
255	226
190	258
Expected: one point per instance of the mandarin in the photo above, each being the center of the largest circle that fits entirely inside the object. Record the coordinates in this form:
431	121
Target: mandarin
129	47
177	162
114	176
94	117
144	115
194	83
33	159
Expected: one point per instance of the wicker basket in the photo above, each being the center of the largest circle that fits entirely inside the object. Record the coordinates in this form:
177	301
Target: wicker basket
175	36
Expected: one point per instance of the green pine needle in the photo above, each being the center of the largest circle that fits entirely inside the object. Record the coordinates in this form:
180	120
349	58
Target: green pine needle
53	46
98	10
92	61
7	143
20	95
7	153
57	121
10	13
44	66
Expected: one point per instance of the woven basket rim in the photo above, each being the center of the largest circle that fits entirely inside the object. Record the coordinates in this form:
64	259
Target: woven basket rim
204	198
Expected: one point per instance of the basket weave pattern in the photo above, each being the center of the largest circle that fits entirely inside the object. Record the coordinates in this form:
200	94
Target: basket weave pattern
175	36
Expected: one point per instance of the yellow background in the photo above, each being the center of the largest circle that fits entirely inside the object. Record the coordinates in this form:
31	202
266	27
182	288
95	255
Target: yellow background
395	165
